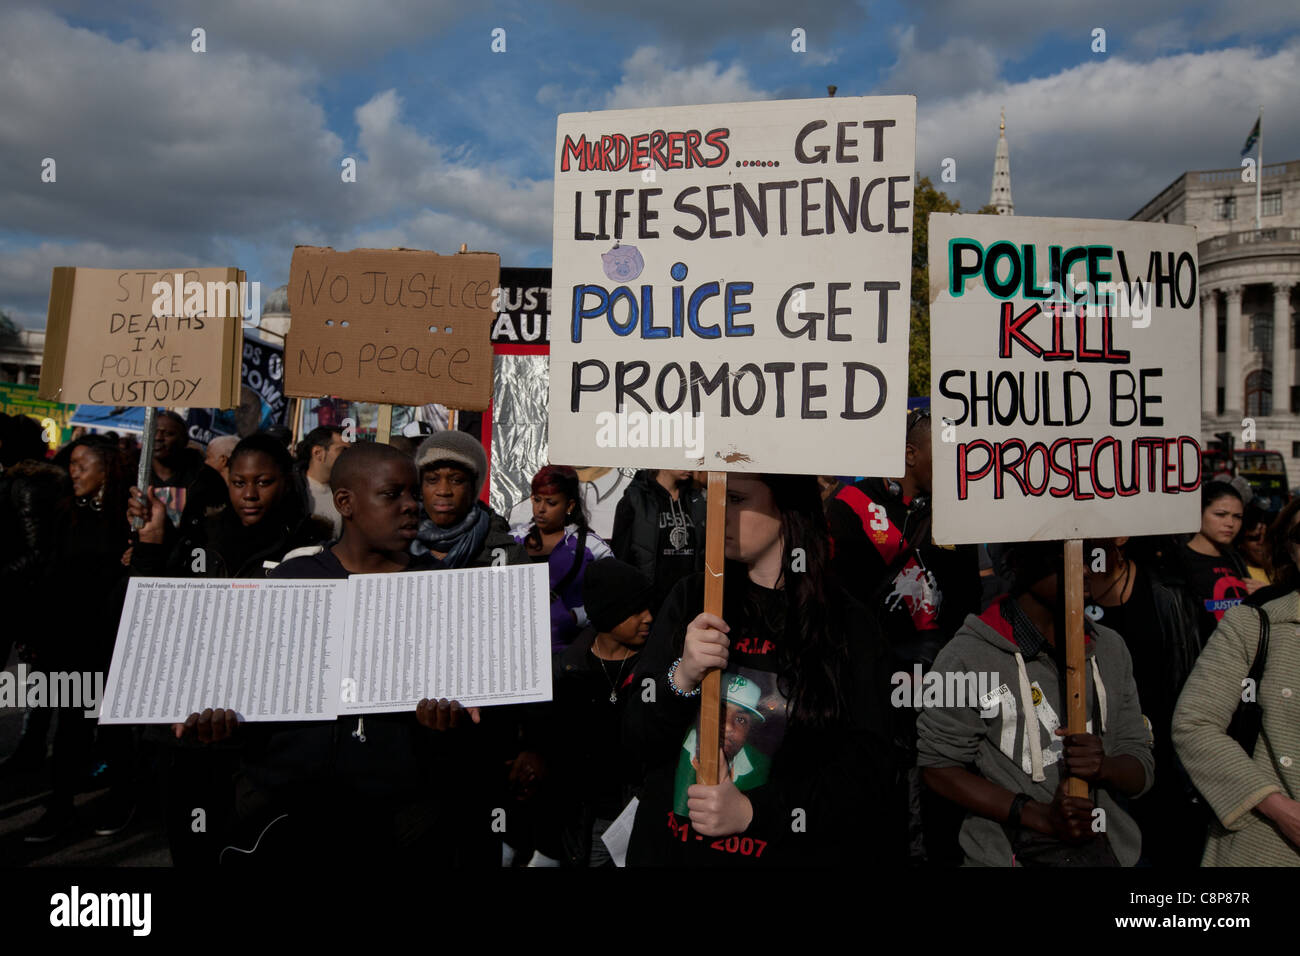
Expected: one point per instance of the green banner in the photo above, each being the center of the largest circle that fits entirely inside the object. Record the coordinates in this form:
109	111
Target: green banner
18	399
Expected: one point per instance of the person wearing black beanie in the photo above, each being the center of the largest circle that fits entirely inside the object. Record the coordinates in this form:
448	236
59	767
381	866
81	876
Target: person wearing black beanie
592	684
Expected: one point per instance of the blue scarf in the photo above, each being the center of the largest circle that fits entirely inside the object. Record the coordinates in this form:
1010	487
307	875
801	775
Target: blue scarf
462	541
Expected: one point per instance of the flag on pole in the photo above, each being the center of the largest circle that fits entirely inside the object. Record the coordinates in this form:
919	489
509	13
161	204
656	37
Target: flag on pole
1251	139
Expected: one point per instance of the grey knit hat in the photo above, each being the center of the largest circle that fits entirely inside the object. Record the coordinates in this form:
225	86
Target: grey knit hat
455	446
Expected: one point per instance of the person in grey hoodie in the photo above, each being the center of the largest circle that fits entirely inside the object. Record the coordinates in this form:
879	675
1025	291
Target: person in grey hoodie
1008	772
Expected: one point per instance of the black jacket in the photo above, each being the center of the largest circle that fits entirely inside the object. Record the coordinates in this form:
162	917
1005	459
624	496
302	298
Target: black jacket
636	539
825	800
226	552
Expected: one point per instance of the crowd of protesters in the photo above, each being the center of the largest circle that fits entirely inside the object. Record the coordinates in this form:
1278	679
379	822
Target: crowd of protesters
839	608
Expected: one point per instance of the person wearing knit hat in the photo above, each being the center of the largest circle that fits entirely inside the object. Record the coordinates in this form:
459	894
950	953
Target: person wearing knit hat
455	527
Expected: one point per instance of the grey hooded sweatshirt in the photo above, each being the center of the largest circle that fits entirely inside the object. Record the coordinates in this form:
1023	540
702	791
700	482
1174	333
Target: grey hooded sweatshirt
1024	756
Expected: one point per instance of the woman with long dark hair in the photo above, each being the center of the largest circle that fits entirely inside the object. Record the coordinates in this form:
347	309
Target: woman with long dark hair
805	753
1211	566
261	521
81	625
561	536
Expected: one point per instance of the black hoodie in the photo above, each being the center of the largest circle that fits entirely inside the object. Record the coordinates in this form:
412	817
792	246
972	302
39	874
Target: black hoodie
660	537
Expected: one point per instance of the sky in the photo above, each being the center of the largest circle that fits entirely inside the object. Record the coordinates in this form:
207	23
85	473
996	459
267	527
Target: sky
167	157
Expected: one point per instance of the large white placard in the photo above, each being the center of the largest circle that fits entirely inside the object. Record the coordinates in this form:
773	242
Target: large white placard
285	649
731	286
1065	373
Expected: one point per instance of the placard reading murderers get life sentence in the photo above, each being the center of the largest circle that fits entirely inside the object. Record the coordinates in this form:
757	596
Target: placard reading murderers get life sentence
400	326
1065	378
144	337
732	286
285	649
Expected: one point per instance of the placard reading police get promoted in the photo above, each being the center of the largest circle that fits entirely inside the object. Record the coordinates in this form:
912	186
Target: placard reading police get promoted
1065	378
731	286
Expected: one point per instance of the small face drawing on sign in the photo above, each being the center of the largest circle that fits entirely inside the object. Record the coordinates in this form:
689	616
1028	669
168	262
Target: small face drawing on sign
622	263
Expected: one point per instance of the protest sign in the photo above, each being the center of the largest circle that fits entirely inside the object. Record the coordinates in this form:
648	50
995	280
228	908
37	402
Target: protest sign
399	327
731	286
132	337
1065	378
262	402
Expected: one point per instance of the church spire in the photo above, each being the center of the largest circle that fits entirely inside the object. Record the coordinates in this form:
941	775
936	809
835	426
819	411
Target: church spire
1001	195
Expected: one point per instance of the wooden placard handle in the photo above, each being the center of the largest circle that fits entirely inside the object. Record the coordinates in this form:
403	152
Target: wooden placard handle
711	688
384	426
1075	664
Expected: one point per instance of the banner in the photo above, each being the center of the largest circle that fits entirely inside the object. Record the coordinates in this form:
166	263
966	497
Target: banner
732	285
262	402
1065	378
53	417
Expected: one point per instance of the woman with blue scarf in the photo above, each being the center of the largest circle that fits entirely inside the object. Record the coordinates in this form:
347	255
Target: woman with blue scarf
455	527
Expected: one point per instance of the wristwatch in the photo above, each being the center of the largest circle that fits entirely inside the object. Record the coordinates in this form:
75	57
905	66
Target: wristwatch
1018	804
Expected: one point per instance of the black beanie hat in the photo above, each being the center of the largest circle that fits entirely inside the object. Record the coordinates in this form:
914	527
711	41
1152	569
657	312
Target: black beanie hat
612	592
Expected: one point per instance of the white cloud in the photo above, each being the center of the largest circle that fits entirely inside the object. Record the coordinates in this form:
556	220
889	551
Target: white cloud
649	80
1101	139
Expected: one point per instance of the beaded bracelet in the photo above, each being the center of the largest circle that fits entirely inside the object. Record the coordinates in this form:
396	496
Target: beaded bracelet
676	690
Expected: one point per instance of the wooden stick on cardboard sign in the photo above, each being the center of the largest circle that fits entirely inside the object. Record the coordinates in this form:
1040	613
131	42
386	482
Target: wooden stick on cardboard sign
1075	665
384	427
145	471
711	693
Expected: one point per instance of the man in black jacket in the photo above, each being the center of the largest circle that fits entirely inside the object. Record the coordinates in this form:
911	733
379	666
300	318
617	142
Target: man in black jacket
659	529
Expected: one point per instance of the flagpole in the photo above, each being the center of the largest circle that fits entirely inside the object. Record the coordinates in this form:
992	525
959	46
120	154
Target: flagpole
1259	179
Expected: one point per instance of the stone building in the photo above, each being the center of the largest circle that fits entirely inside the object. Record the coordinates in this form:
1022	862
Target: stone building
1247	279
20	355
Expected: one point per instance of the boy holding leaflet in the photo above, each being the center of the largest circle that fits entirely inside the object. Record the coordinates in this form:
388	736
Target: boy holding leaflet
372	789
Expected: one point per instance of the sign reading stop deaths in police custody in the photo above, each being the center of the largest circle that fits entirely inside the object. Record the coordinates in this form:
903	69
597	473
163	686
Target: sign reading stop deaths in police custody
140	337
1065	378
746	263
395	326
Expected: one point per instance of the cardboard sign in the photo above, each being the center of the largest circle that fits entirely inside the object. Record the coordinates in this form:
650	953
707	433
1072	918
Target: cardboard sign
1065	378
399	327
139	337
732	284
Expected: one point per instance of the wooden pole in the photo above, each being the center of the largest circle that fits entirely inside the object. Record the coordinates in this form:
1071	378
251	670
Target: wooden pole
1075	665
714	562
145	471
384	427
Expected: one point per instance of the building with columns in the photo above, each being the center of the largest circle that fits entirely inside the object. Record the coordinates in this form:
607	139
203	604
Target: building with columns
1248	281
20	356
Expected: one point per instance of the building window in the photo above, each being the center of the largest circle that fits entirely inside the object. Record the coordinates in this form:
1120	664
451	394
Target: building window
1295	449
1225	207
1221	332
1270	204
1261	333
1219	394
1259	393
